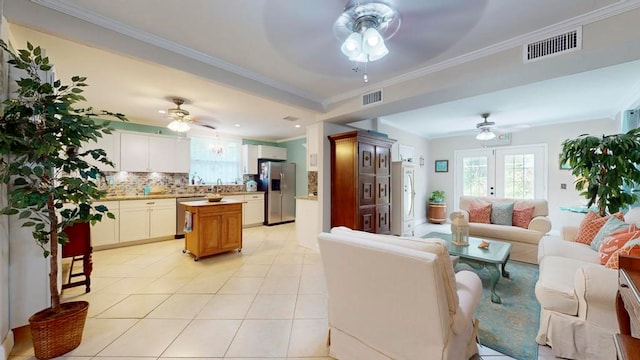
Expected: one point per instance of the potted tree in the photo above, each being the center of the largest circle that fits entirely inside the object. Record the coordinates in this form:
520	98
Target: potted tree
606	168
437	213
50	183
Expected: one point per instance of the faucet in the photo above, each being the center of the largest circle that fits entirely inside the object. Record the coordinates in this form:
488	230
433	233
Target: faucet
219	181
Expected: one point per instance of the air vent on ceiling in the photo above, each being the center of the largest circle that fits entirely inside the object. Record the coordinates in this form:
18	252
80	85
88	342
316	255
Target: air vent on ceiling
554	45
290	118
372	98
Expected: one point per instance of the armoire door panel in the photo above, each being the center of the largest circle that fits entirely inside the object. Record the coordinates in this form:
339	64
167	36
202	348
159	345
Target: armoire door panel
383	161
382	189
367	218
367	190
383	218
367	156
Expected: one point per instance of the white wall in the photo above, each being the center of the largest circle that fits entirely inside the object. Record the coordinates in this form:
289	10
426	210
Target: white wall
552	135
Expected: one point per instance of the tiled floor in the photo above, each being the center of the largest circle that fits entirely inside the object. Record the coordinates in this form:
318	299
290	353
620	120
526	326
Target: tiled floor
153	302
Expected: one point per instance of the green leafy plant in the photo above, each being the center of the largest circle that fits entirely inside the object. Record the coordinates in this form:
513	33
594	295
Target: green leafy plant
606	168
50	183
437	196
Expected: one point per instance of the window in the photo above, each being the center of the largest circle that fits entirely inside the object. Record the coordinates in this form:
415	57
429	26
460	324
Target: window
216	158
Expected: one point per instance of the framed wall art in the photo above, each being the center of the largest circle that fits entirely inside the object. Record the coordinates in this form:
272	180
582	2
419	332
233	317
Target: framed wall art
442	165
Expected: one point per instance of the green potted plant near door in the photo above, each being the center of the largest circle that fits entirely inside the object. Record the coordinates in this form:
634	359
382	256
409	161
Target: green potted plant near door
606	168
50	184
437	213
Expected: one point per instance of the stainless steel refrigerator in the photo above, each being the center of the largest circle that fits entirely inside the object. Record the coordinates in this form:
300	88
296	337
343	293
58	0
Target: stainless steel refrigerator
278	181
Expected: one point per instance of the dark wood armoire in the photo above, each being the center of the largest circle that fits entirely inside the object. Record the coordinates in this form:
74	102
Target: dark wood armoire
361	181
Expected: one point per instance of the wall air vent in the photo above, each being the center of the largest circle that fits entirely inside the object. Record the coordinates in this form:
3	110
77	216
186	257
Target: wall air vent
554	45
372	98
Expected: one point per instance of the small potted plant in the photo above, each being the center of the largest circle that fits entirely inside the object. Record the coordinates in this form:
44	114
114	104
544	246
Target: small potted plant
437	213
50	184
437	197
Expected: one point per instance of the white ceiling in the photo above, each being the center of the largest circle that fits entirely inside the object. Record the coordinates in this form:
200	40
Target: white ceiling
254	62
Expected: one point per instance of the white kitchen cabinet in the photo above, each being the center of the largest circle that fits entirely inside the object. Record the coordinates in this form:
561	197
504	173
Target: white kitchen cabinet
312	147
147	219
110	143
249	159
253	209
272	152
152	153
107	231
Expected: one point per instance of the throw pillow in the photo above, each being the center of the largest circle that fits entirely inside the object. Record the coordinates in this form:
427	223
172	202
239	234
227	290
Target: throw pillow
590	225
480	213
615	241
522	216
502	213
631	248
632	216
613	224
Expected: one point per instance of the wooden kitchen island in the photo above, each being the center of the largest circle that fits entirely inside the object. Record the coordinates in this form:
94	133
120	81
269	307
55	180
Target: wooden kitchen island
216	227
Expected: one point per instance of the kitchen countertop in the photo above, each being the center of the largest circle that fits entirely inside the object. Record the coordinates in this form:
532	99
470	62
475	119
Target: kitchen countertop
173	196
212	203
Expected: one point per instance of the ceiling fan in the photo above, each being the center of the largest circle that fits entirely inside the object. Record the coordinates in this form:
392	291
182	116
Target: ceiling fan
181	118
485	128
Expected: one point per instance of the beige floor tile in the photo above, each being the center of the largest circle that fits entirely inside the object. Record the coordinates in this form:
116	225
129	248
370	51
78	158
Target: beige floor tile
252	270
285	270
100	301
272	307
261	259
204	338
180	306
289	259
99	333
204	285
149	337
280	285
312	285
309	338
134	306
127	285
311	306
261	338
239	285
226	307
164	285
114	270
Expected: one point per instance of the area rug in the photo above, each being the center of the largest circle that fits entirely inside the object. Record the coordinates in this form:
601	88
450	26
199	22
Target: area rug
511	327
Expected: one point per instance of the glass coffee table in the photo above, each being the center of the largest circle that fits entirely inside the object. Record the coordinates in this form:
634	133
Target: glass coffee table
496	254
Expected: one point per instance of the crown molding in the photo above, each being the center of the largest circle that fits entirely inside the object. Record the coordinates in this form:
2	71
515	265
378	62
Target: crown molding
566	25
67	8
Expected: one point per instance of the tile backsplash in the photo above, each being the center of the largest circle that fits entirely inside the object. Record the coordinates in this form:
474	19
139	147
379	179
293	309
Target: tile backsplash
133	183
312	177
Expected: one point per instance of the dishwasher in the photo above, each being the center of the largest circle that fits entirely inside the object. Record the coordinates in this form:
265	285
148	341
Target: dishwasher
180	213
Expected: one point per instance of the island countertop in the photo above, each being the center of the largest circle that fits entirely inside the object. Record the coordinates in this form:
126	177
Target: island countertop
212	203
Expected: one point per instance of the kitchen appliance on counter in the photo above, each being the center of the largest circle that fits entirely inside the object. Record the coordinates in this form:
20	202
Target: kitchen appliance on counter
278	181
180	209
252	186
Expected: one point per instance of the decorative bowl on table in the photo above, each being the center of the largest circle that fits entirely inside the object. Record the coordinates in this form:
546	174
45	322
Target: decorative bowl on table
214	197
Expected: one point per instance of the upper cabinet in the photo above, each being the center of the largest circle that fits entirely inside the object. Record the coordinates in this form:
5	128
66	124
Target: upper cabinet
110	143
272	152
153	153
249	159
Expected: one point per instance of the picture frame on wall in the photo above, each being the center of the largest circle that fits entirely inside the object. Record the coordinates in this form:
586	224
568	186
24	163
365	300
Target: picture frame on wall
442	165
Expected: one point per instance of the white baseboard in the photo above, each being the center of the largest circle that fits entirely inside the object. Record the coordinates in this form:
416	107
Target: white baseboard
7	346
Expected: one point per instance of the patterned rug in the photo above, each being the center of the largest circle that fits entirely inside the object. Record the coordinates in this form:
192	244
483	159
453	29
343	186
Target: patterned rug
510	327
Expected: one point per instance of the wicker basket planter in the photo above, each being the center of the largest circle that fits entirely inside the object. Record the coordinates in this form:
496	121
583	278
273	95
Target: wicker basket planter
57	334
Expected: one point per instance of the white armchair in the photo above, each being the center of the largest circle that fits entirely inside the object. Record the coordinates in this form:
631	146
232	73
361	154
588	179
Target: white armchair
397	298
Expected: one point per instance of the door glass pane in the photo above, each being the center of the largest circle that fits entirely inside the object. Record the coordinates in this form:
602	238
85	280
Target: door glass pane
519	176
474	170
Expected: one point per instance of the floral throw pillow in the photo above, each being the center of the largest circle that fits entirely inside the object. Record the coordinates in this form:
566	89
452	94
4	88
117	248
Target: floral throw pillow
522	216
631	248
591	224
502	213
480	213
615	241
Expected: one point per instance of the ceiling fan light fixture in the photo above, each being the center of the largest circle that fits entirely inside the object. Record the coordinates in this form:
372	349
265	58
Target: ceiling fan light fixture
485	134
179	126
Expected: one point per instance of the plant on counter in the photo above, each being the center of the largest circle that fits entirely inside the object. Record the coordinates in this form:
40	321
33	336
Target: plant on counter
606	168
50	183
437	197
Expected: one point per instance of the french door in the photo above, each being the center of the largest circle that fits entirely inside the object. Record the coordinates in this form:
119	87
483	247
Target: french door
518	172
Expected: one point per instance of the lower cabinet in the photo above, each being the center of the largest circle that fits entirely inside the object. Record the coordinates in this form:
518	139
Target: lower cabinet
147	219
216	228
107	231
252	208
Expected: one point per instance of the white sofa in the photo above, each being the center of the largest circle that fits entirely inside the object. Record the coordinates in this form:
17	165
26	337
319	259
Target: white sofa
397	298
577	299
524	242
